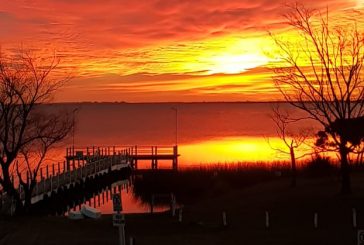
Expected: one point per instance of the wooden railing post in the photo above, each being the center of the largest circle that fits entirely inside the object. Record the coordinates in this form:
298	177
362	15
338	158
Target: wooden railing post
175	157
36	188
28	178
58	176
47	171
51	184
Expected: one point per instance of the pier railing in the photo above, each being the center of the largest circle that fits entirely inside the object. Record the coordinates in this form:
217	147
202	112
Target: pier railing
83	162
66	177
152	150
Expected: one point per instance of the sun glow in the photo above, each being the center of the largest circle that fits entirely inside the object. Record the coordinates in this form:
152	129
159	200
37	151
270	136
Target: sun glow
360	4
234	64
246	149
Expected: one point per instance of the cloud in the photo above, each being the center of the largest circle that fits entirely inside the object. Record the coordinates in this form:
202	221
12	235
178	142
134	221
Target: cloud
116	23
126	48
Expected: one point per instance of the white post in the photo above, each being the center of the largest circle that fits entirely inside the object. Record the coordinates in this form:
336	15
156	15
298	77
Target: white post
131	241
122	231
315	220
173	204
266	219
180	215
354	218
224	220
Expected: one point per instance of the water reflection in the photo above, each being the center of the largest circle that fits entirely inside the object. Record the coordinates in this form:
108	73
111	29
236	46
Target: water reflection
130	203
66	198
230	150
97	192
220	150
207	132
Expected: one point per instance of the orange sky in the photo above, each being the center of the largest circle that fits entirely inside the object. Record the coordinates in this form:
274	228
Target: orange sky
155	50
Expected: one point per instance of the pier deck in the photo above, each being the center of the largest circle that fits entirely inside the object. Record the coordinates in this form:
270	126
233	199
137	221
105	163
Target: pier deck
87	162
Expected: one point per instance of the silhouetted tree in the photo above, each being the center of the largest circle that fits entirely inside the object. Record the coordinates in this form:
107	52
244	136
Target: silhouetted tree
353	131
321	74
27	129
291	139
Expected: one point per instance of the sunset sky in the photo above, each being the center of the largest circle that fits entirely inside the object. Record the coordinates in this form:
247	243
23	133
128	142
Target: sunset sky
156	50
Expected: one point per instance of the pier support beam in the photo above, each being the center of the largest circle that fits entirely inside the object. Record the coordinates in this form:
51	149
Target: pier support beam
175	158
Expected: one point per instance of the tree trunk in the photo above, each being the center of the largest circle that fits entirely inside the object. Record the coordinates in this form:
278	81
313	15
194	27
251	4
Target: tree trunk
27	199
345	170
9	188
293	166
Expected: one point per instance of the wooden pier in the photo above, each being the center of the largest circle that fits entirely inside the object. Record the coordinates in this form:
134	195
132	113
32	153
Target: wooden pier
88	162
153	154
54	177
134	154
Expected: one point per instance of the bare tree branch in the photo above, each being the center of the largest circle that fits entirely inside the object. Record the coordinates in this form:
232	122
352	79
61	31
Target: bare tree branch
322	76
27	129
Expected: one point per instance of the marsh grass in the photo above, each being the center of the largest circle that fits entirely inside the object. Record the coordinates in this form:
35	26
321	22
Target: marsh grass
194	182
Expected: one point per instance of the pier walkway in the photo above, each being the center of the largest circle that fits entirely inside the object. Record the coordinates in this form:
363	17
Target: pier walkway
87	162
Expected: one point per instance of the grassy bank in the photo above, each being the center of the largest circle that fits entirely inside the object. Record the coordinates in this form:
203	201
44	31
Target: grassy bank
244	191
192	184
291	219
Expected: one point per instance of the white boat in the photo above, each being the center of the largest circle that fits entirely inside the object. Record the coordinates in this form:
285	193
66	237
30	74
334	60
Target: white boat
75	215
90	212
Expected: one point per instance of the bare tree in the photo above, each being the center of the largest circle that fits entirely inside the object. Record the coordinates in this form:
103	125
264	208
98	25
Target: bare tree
322	75
291	139
27	129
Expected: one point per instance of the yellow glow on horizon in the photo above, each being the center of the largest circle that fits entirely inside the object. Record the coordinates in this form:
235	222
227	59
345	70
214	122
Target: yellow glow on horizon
234	64
231	150
229	55
360	4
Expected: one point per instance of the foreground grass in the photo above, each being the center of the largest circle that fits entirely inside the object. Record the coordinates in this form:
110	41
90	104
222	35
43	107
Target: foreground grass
291	212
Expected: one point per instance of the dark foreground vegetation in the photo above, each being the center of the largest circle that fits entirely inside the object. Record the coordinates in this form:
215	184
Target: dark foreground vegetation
291	219
193	184
244	193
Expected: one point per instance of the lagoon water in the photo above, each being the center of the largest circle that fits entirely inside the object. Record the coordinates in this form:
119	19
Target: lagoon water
207	133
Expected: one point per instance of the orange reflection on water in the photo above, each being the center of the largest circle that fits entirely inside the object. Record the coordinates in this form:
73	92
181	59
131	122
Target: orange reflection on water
230	150
103	202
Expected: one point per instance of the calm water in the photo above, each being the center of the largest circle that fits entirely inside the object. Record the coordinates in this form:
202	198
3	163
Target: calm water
207	133
130	204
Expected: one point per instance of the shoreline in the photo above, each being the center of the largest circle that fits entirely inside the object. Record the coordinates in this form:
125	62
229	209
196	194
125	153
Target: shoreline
291	212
